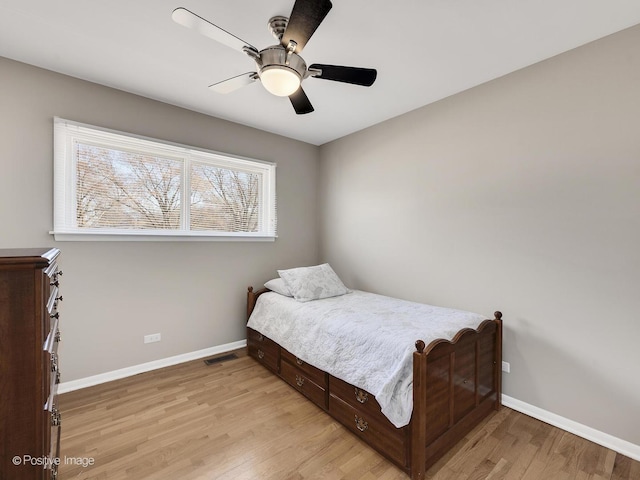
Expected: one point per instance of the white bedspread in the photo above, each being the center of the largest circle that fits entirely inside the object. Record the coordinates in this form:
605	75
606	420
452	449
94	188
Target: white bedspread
365	339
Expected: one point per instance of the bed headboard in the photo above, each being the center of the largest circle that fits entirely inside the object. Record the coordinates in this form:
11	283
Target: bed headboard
252	297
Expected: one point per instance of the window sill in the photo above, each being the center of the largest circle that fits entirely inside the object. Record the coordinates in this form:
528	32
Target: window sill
155	237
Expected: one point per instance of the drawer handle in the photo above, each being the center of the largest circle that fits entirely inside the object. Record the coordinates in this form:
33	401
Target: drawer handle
299	380
54	362
260	354
361	396
57	377
299	362
58	336
54	471
56	418
361	424
55	315
54	283
260	337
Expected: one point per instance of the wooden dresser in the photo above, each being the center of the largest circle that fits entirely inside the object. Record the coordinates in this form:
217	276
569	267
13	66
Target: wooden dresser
29	337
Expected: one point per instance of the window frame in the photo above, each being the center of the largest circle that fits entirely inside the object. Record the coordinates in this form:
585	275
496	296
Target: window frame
67	134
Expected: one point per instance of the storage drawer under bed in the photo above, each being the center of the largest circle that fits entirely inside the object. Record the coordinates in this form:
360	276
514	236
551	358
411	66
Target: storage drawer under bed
303	382
359	399
391	442
314	374
361	413
263	349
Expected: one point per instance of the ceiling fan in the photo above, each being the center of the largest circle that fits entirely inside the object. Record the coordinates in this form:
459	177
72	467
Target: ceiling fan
280	68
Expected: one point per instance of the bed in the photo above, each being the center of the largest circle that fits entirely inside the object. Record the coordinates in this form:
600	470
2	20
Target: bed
411	399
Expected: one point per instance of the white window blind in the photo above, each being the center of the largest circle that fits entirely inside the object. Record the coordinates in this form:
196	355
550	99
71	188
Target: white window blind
109	185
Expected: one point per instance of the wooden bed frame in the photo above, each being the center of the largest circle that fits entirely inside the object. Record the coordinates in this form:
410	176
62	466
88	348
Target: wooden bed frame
456	384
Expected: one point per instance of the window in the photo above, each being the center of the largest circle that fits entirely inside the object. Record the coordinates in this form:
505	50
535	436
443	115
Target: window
112	185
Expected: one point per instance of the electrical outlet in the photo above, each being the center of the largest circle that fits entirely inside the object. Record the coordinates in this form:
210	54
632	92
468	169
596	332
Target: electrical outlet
154	337
506	367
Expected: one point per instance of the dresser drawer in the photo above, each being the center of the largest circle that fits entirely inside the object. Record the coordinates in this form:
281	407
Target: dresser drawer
54	450
266	351
54	453
299	380
53	420
52	294
50	314
312	373
391	442
54	381
50	364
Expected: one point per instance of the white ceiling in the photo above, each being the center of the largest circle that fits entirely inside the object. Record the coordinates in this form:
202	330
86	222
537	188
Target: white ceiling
424	50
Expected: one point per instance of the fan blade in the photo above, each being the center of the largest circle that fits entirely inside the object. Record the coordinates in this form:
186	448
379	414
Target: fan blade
189	19
354	75
234	83
300	102
305	18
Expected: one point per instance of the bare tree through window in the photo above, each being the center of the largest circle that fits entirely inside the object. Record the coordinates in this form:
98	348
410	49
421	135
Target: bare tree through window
223	199
124	190
118	189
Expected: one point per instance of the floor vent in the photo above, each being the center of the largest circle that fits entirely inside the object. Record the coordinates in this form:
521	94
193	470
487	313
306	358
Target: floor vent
223	358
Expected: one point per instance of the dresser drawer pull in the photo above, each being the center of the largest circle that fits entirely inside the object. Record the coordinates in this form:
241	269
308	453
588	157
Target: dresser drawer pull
260	354
299	380
56	418
361	396
55	315
55	283
260	337
57	377
361	424
299	362
54	362
58	336
54	471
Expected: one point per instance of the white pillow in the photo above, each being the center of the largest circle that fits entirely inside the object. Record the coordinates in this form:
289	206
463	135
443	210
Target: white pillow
313	283
277	285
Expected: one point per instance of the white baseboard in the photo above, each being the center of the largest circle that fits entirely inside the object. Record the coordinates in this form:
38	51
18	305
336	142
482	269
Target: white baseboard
591	434
65	387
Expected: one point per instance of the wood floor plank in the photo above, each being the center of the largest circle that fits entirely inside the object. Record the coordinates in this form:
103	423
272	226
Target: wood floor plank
235	420
625	468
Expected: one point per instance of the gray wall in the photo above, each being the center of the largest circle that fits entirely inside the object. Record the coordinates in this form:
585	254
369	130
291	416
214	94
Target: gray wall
117	292
523	195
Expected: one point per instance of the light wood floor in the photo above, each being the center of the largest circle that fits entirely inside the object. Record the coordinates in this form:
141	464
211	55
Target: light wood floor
235	420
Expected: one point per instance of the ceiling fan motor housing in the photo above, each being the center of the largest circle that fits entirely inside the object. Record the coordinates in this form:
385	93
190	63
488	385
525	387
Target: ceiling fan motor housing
277	56
277	59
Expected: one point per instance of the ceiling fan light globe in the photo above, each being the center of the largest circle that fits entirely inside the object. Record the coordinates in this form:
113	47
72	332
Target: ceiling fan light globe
280	81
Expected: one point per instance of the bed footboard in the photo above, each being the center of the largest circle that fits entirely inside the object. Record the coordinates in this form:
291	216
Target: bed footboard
456	383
